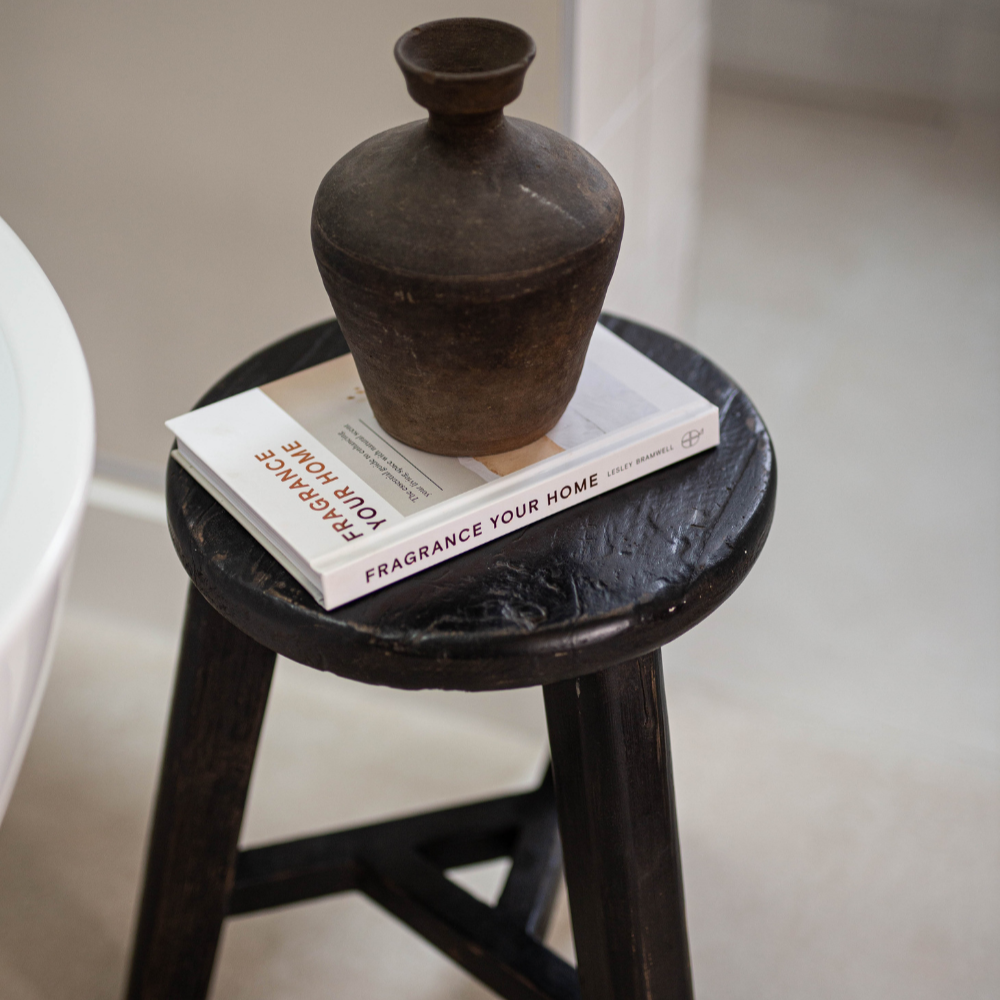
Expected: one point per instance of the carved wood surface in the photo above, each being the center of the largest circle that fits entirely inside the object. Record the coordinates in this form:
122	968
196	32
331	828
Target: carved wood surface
610	579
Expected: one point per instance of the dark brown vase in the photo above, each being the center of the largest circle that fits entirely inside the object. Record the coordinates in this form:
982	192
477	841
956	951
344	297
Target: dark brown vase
467	255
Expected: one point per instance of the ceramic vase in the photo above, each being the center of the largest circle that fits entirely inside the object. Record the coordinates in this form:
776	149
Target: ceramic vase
467	255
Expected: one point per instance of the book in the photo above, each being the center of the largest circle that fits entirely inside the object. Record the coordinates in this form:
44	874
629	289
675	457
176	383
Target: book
304	466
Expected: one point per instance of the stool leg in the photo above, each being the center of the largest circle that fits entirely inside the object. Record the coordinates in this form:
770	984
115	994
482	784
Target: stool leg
220	692
614	789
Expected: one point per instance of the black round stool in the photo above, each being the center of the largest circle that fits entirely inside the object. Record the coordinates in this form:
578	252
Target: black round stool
580	603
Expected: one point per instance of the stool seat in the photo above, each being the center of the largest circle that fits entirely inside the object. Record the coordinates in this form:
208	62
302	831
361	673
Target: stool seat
608	580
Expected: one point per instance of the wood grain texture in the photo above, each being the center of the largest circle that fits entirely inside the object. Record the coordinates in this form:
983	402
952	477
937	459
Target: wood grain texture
614	789
610	579
223	679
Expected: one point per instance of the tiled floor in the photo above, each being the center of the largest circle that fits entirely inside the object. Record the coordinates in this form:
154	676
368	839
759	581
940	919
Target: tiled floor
836	725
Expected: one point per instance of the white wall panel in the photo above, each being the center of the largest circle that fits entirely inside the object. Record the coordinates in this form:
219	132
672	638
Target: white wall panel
638	106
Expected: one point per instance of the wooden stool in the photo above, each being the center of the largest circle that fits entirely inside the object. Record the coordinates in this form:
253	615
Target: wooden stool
580	603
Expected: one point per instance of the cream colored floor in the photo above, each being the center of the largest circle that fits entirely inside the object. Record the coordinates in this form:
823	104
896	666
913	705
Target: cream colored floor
836	725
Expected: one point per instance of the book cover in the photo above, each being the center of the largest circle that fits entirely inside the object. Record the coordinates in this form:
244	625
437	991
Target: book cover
305	467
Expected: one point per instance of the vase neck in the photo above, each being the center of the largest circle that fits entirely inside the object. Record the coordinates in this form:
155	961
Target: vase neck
465	127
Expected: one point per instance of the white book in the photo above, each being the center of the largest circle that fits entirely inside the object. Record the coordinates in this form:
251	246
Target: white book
305	467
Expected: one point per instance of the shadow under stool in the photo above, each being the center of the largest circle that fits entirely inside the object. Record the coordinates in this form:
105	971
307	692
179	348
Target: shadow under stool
580	603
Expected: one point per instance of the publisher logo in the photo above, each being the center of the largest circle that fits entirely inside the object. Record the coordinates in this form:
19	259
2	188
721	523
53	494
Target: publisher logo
691	438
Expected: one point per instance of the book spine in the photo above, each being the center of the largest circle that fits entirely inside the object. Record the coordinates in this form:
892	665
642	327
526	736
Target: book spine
540	500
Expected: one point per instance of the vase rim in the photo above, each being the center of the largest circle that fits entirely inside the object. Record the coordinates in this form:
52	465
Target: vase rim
464	64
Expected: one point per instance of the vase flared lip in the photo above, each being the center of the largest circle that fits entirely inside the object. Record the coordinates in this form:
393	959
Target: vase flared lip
464	65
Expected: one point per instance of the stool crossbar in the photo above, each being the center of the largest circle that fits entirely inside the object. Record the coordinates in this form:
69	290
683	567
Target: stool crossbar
400	864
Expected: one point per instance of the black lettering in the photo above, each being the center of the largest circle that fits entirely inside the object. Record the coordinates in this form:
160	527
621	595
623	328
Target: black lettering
532	506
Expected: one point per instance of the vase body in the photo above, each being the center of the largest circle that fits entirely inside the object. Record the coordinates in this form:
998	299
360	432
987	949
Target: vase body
467	255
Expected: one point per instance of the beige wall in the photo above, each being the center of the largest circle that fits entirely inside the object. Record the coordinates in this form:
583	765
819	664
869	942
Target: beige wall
160	161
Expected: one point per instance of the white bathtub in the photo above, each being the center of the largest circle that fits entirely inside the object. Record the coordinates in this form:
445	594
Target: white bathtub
46	459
